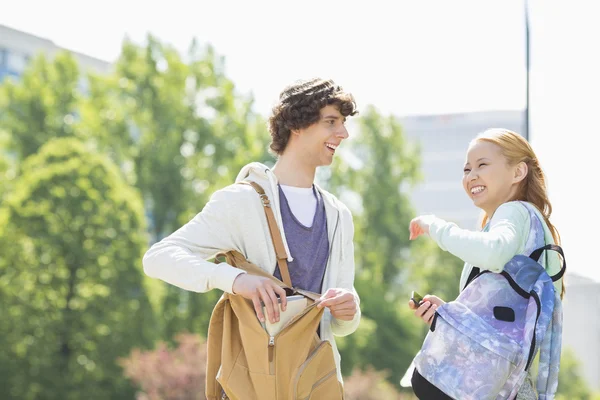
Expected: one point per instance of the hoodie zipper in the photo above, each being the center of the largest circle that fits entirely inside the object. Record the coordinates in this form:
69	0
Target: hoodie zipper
329	257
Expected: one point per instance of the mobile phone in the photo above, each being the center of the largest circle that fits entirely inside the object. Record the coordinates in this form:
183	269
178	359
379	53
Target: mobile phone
416	298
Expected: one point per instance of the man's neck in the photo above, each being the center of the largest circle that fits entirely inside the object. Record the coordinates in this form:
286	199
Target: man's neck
291	171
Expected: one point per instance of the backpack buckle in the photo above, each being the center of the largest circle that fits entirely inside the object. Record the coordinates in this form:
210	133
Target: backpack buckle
265	200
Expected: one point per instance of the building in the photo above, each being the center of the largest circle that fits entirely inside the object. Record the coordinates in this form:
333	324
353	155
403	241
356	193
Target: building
581	325
444	140
17	48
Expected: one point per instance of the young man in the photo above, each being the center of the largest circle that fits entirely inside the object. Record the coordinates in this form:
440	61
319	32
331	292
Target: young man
307	126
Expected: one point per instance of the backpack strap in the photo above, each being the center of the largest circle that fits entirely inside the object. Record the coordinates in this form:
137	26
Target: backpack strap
214	341
547	381
550	349
275	233
535	256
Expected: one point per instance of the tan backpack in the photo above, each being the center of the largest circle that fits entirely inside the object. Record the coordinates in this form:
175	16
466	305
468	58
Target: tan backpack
245	363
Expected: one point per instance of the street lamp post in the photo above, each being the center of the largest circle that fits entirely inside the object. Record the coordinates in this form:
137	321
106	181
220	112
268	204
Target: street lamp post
527	61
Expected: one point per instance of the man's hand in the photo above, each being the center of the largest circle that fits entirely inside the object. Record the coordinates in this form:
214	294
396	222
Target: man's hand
341	303
257	289
426	310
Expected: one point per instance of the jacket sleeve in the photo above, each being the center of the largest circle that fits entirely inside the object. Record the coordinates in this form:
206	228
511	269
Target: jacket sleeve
346	278
180	258
489	250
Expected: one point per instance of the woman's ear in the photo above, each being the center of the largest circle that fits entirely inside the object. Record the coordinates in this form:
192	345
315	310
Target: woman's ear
521	171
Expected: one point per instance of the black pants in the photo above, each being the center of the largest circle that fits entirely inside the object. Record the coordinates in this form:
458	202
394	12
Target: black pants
425	390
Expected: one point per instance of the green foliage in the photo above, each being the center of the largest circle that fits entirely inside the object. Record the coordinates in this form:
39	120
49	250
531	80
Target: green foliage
189	134
168	129
386	168
180	124
43	105
382	168
571	385
7	165
70	279
434	271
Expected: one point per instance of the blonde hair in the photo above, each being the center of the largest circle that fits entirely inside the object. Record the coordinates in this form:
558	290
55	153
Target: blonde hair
532	189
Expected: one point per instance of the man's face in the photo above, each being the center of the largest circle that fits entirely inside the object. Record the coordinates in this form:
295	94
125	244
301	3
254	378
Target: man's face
318	142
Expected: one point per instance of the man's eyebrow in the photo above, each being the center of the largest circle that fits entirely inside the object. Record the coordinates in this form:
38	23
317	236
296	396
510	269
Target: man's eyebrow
331	116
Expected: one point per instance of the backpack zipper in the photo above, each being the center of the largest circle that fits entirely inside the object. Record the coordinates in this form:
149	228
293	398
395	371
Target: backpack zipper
271	355
320	381
271	345
307	361
297	317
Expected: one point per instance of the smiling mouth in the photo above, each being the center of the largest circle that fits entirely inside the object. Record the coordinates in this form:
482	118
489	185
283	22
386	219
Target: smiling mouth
331	147
475	190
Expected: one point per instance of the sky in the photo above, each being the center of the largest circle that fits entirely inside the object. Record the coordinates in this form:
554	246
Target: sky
404	57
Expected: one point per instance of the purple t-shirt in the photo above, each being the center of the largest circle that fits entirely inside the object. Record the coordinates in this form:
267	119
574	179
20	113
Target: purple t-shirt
308	246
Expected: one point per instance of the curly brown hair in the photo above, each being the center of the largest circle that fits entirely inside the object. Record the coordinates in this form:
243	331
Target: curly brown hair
300	105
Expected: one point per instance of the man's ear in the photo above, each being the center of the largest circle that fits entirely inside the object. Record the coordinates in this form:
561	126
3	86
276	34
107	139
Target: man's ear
521	171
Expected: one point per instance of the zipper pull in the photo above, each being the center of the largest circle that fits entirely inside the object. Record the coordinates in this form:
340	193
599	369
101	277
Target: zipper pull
271	347
271	356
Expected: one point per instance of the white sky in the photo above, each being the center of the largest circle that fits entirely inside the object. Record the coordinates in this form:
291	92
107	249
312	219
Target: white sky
405	57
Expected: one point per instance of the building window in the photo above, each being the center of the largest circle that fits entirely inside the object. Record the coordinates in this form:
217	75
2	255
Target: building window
15	62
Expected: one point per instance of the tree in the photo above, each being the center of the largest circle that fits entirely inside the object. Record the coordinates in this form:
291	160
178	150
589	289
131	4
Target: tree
386	167
177	130
188	125
181	131
43	105
191	133
571	385
433	270
374	181
7	165
72	236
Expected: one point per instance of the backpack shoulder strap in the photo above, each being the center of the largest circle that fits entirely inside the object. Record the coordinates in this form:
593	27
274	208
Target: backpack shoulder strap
214	342
275	233
547	381
538	252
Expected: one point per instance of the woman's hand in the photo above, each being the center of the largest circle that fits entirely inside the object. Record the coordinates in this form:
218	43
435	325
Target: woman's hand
426	310
420	226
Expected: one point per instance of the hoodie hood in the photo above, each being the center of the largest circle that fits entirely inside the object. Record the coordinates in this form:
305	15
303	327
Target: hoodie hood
261	174
256	170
